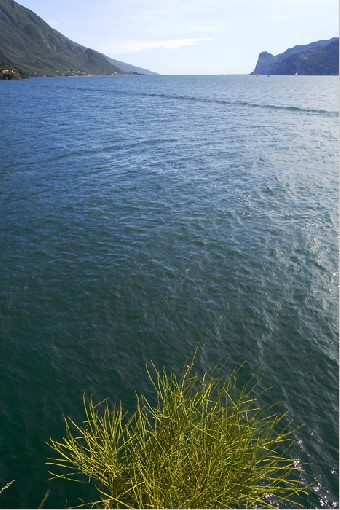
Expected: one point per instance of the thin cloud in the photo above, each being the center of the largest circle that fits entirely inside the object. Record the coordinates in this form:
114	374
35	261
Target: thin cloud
168	44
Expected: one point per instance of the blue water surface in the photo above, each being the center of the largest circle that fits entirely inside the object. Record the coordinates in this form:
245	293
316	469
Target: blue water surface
142	216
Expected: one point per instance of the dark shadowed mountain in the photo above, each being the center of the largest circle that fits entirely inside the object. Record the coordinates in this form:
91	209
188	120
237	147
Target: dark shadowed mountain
27	42
316	58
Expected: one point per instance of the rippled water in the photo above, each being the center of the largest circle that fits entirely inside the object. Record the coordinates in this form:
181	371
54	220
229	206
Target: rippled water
142	216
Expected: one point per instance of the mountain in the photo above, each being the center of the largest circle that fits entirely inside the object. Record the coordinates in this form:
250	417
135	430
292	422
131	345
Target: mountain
316	58
27	42
128	68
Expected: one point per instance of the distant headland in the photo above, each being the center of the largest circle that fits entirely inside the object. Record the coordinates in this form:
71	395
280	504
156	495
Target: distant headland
316	58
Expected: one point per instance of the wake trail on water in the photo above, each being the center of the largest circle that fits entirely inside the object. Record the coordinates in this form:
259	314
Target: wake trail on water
225	102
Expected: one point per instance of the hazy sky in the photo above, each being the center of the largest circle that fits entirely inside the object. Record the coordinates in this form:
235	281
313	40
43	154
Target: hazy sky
190	36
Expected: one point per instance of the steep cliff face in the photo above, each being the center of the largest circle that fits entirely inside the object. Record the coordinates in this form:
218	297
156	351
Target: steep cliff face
317	58
264	63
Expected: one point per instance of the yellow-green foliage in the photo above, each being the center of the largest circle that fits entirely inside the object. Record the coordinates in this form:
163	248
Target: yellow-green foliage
6	486
203	445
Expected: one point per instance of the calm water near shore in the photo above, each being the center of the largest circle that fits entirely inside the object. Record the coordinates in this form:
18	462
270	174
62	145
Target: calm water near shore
142	216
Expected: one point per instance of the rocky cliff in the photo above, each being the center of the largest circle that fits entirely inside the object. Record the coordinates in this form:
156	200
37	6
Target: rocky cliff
317	58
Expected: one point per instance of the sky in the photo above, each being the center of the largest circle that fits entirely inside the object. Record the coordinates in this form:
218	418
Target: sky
190	36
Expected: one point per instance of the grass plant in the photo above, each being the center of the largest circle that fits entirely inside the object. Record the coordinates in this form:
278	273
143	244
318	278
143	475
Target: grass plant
2	489
204	444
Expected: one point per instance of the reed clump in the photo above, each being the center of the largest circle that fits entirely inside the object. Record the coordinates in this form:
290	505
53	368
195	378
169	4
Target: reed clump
204	444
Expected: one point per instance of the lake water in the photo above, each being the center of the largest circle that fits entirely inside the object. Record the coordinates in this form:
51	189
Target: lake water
142	216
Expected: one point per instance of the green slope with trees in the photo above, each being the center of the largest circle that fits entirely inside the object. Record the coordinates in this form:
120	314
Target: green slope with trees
29	43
